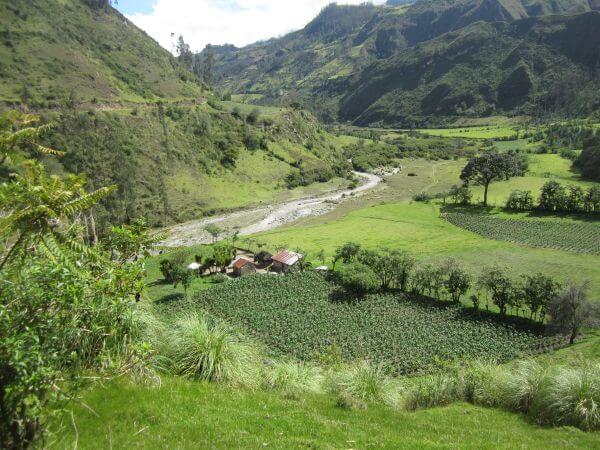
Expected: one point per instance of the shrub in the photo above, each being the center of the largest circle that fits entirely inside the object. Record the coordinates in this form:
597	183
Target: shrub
358	279
204	349
520	201
422	197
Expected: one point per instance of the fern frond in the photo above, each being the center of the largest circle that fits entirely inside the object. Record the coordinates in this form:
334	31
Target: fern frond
87	201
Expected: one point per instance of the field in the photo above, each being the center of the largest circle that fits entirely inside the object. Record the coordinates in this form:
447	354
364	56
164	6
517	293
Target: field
419	229
187	415
301	315
573	236
482	132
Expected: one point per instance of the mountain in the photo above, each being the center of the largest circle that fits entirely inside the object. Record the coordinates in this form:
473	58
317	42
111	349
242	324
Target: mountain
127	113
50	47
390	48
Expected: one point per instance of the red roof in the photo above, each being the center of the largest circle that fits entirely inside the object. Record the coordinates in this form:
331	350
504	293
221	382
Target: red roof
240	263
287	258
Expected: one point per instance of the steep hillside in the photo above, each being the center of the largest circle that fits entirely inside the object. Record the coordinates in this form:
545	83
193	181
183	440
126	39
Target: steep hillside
50	47
321	72
127	113
525	66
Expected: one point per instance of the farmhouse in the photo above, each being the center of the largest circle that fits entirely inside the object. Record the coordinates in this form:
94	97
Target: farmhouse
243	267
284	261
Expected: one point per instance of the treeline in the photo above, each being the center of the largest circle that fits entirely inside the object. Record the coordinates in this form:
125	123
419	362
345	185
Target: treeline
588	162
556	197
366	271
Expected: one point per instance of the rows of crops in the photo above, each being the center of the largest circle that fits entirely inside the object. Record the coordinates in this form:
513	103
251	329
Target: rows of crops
299	315
579	237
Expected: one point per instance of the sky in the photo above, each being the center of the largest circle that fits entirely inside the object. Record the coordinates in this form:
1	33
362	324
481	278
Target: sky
237	22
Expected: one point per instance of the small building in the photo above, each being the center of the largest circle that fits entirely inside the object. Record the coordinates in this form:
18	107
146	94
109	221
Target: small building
263	259
285	261
243	267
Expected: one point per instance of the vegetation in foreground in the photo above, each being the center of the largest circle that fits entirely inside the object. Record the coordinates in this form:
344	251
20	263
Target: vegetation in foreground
184	414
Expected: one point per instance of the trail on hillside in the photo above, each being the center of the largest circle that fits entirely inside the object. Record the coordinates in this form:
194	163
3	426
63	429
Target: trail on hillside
265	218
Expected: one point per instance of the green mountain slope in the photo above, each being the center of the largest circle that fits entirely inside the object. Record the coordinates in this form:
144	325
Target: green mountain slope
50	47
127	113
325	74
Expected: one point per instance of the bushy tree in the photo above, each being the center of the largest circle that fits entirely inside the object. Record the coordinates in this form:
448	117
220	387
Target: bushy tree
520	201
588	161
571	310
346	253
592	199
358	279
213	230
490	167
553	197
497	282
538	291
461	195
458	281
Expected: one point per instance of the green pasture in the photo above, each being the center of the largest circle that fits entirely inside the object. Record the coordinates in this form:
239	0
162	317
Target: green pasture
418	228
481	132
187	415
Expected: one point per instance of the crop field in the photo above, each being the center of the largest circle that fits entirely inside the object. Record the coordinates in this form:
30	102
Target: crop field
578	237
419	229
302	314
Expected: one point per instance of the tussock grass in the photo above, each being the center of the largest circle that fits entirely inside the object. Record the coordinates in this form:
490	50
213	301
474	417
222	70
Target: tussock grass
434	391
204	349
292	378
570	396
360	383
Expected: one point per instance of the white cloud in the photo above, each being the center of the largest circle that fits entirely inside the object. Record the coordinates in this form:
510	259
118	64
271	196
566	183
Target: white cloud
238	22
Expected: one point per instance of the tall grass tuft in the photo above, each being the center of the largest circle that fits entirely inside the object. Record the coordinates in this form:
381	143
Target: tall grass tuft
204	349
361	383
291	377
434	391
519	387
570	396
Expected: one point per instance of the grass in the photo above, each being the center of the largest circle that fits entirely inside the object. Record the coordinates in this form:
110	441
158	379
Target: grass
481	132
184	414
419	229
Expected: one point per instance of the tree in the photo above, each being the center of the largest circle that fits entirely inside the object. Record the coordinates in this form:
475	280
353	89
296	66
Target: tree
207	69
575	200
321	256
490	167
553	197
497	282
213	230
401	265
22	132
346	253
132	242
461	195
571	310
520	201
223	254
182	275
38	208
358	279
592	199
458	281
186	57
588	161
537	292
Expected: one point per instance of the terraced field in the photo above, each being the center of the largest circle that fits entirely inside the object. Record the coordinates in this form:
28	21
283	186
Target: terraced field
578	237
302	314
